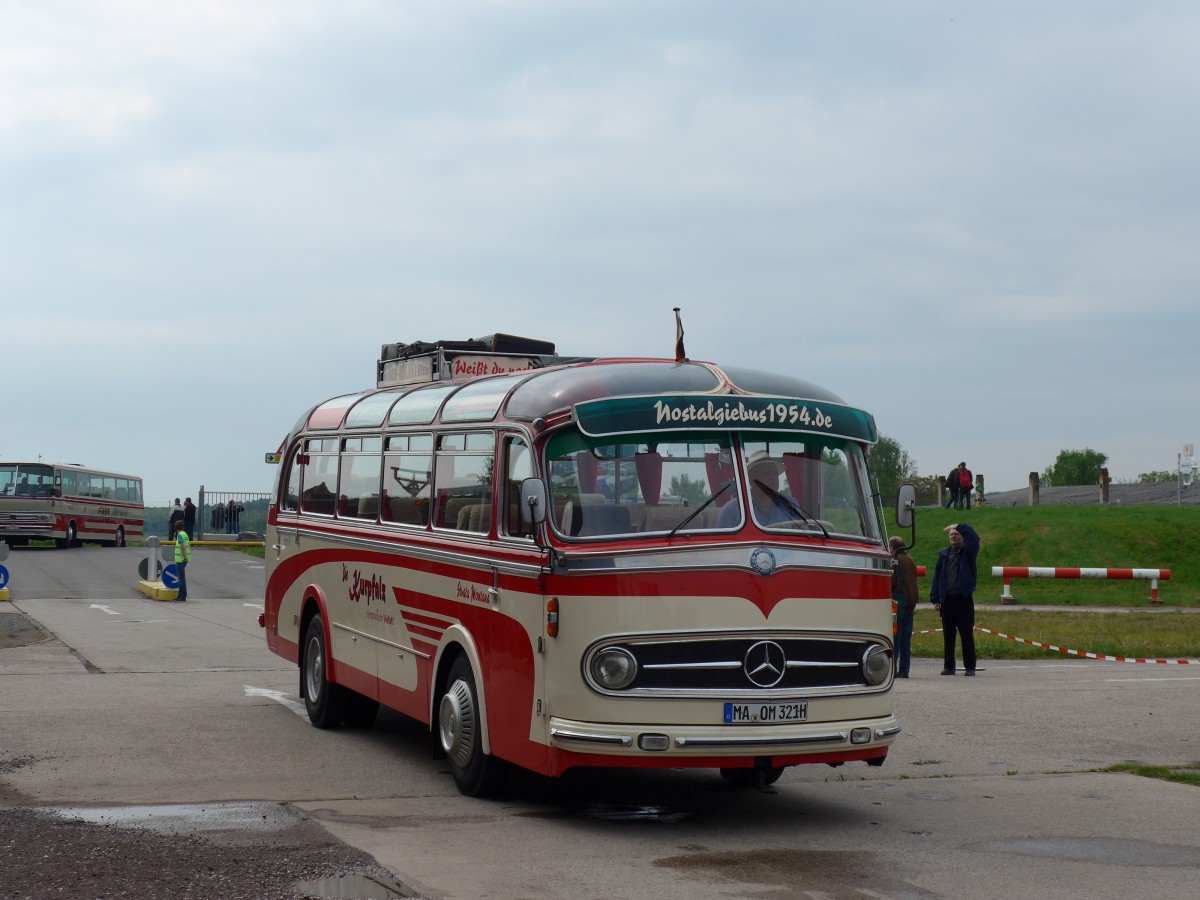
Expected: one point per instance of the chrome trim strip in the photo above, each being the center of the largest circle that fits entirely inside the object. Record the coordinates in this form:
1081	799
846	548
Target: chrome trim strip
791	664
839	737
378	640
723	556
473	561
697	665
562	734
881	733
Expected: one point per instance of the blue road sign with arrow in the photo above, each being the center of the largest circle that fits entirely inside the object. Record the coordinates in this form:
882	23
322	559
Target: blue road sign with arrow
170	576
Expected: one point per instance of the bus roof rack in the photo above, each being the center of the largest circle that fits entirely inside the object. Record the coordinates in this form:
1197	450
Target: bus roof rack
423	361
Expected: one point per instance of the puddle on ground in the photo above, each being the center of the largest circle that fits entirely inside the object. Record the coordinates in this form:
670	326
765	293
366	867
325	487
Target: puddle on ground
351	887
189	818
796	873
1116	851
608	812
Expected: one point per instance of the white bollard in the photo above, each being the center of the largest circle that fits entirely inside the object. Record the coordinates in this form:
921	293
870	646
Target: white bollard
152	544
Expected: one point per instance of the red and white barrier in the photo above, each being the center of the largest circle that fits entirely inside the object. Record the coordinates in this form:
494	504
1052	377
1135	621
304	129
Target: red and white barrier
1010	572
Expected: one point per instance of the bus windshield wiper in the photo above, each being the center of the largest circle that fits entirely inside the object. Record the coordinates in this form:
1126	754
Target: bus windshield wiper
703	506
792	505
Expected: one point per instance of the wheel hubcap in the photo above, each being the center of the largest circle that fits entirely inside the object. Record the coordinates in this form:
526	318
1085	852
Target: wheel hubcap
456	723
315	666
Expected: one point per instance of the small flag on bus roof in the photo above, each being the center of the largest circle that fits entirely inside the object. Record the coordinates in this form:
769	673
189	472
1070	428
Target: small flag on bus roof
680	354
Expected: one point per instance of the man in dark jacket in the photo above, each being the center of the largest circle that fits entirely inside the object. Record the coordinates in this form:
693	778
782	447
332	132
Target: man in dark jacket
953	594
952	488
904	592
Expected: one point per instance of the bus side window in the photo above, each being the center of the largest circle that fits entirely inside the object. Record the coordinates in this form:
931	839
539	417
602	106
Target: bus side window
463	482
518	467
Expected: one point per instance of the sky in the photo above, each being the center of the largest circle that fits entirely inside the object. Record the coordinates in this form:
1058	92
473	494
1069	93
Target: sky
977	221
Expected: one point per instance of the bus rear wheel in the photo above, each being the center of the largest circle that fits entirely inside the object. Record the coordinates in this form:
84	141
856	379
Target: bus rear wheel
69	540
460	730
118	538
324	701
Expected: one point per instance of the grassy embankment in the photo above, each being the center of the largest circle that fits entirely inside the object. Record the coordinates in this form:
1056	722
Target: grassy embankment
1146	537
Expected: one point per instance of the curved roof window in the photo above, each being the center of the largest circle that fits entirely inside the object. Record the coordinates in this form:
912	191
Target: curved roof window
329	414
370	410
562	388
480	400
420	407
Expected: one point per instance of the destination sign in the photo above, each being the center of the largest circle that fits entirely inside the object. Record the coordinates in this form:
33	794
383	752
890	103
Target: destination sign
696	412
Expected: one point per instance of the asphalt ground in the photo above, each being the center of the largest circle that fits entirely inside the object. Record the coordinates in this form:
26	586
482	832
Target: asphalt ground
131	712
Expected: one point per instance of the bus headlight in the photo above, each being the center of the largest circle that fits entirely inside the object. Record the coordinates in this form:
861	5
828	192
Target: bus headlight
614	668
876	664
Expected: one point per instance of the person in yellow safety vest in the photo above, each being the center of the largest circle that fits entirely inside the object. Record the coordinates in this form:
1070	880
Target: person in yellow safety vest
183	556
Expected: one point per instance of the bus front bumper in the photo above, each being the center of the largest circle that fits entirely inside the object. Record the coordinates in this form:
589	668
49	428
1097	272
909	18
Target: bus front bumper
723	741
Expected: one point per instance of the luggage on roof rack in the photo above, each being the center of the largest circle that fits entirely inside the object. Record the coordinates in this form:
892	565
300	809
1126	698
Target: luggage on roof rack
419	361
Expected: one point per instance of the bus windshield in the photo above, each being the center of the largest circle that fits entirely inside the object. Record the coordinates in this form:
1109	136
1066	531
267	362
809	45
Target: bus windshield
26	480
686	482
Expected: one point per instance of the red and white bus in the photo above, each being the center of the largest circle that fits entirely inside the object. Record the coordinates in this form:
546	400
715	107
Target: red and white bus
68	504
603	562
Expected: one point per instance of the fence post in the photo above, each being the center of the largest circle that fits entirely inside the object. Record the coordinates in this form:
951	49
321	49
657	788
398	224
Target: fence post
1006	594
1034	485
200	512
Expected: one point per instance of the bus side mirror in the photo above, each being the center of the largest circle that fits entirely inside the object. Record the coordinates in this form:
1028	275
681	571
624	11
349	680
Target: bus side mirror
533	501
906	511
906	505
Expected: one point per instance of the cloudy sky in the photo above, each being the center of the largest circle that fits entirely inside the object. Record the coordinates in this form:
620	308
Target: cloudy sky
977	221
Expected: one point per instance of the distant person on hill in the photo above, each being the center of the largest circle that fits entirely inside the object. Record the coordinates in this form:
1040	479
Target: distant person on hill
952	594
966	481
952	488
176	519
904	592
189	517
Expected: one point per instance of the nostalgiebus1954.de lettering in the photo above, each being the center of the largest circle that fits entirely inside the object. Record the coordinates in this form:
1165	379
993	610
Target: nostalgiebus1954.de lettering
561	562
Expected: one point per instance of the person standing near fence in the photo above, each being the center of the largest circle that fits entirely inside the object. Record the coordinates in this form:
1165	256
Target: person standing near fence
183	556
176	520
952	594
233	515
189	517
904	593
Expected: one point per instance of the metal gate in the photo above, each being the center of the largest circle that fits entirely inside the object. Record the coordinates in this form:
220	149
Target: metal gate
231	515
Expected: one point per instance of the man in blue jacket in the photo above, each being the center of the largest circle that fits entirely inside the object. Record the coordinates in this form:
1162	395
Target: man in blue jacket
953	594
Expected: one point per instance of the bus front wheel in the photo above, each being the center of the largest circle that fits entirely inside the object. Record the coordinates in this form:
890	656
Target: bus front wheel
69	540
324	700
460	730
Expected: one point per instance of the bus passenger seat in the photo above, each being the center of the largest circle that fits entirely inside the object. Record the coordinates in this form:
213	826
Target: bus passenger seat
594	519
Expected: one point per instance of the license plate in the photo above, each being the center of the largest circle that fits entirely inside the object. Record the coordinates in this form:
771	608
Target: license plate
765	713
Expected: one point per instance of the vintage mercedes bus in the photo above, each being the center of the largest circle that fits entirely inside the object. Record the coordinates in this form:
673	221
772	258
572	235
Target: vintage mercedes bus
575	562
68	504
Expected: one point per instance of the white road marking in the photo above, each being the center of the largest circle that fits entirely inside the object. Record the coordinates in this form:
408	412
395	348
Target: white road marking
291	703
111	612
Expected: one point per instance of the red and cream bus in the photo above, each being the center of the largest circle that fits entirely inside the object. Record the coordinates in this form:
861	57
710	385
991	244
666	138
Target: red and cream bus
68	504
600	562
